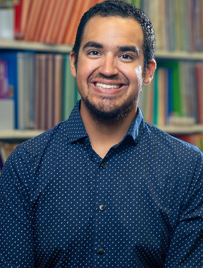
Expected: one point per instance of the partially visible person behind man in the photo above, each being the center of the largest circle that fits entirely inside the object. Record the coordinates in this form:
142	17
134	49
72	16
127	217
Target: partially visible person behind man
104	188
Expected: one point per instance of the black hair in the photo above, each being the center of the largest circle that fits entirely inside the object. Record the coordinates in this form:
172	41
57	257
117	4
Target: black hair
120	9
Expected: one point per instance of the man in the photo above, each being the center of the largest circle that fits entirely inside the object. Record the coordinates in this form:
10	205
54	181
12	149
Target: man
104	188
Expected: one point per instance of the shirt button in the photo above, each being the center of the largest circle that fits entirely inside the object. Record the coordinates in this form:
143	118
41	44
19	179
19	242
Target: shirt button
102	207
103	165
101	251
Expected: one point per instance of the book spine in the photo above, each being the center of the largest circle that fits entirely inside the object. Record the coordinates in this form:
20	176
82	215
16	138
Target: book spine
4	89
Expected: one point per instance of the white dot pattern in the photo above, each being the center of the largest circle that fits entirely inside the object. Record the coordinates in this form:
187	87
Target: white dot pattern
64	206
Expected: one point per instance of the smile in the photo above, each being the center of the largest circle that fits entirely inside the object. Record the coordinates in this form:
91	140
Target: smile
105	86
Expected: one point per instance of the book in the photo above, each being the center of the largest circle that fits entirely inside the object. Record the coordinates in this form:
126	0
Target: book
40	91
171	25
58	85
54	24
201	23
68	10
7	114
192	91
25	10
150	102
199	78
7	23
32	21
50	91
47	21
4	89
162	95
1	161
37	103
21	90
6	149
86	6
41	20
17	17
11	59
175	75
78	10
197	25
30	81
155	104
145	102
68	99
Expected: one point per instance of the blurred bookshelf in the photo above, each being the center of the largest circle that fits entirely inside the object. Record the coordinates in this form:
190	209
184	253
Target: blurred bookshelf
34	46
18	135
43	37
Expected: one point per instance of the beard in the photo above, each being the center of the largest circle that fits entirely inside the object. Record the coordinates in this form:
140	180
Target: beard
111	116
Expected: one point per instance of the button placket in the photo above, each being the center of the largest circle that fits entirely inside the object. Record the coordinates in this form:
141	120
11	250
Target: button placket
101	220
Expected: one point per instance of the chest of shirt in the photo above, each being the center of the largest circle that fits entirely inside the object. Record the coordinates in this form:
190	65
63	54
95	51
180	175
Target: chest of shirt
85	199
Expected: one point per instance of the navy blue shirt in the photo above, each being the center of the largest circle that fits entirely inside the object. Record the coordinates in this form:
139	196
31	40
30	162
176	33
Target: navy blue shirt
64	206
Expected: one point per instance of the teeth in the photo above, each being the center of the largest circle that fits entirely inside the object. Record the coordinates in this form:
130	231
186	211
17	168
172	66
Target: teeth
106	86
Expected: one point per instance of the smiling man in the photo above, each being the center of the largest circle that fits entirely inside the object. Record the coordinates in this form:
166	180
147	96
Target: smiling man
104	188
110	74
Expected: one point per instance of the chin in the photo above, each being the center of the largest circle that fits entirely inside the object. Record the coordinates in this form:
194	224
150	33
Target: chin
105	114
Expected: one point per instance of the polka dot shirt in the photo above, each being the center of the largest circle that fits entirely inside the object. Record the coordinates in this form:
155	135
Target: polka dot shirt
64	206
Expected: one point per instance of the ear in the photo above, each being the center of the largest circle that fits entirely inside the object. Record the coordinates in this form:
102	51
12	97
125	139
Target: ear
72	63
150	72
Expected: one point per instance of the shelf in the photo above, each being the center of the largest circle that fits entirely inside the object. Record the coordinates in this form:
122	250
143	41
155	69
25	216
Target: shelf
182	130
35	46
179	55
19	134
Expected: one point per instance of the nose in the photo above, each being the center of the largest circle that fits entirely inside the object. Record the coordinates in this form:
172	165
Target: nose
108	66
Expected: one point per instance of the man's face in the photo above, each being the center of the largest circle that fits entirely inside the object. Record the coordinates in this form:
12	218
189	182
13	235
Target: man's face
109	71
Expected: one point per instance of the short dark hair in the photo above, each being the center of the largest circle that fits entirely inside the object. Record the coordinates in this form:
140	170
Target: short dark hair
121	9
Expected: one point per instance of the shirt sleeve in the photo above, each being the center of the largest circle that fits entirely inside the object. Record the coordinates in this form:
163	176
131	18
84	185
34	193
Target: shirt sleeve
16	219
186	247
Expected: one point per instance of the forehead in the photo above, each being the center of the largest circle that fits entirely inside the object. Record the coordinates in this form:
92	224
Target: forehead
113	30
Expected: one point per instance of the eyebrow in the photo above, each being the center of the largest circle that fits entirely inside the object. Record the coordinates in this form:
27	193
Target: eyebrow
130	48
121	48
92	44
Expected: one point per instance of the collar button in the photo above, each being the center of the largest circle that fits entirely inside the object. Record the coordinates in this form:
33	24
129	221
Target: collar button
103	165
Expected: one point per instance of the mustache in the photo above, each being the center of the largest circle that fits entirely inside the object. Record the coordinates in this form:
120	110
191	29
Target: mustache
115	77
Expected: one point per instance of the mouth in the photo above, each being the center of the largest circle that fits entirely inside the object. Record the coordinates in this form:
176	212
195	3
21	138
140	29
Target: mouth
107	86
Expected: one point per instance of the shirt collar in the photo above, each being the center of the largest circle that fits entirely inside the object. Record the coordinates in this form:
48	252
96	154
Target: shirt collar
75	129
134	129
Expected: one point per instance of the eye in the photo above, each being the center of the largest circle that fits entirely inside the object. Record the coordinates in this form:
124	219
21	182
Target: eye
126	57
93	53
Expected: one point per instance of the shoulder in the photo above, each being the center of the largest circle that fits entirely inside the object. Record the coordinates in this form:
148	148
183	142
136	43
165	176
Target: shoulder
166	145
31	151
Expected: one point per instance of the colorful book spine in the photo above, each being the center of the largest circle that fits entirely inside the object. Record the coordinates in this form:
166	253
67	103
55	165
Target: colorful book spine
11	59
4	89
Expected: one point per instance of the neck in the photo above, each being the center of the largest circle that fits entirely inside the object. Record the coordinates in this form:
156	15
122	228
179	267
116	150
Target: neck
105	134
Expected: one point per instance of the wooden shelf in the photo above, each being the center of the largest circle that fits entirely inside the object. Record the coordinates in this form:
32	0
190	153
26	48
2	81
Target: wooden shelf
35	46
182	130
19	134
179	55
